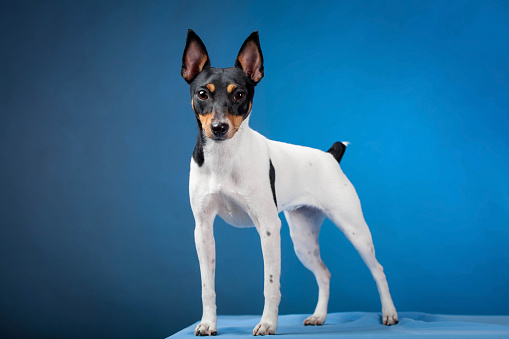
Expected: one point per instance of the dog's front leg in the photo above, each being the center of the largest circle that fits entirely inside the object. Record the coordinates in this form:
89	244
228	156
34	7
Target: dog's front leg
269	229
206	248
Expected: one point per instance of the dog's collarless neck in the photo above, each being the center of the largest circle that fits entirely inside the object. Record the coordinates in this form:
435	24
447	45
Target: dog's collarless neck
214	153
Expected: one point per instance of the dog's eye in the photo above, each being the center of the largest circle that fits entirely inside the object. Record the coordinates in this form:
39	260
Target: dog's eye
203	95
239	96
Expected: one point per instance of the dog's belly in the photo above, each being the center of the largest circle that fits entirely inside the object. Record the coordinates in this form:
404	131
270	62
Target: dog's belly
233	213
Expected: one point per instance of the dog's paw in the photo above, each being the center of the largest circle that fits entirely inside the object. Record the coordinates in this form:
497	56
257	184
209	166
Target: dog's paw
264	327
205	328
390	317
314	320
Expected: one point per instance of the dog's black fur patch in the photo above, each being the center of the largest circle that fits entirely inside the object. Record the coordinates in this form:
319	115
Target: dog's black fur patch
337	150
198	155
220	100
272	177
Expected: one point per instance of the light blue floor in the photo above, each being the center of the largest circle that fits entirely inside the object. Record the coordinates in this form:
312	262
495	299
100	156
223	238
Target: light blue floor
364	324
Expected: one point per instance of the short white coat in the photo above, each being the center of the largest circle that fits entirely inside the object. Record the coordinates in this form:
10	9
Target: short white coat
233	182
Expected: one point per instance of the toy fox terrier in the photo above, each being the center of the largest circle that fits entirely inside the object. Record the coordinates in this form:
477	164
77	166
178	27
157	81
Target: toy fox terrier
247	180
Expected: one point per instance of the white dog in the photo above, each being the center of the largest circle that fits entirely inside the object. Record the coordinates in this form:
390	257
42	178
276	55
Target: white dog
247	180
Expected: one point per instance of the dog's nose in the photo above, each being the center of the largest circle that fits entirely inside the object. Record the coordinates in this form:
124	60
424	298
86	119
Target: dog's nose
219	128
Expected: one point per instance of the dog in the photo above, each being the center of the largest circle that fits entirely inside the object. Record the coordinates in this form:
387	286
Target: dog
247	180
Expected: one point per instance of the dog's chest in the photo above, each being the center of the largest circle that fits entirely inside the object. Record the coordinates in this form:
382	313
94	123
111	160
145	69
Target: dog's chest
232	175
225	182
231	202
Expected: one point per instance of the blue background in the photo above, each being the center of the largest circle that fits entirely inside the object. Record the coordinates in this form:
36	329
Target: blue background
96	134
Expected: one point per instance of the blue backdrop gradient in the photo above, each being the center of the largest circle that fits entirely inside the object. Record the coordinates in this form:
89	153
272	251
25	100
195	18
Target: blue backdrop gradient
96	134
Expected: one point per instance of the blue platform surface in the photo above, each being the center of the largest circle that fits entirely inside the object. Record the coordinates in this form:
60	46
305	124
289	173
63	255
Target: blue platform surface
365	324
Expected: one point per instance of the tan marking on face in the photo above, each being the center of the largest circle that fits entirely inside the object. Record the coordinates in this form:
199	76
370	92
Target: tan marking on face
206	120
235	122
231	87
211	87
192	104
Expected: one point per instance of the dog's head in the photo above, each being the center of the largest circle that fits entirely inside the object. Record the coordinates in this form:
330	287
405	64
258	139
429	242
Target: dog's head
222	97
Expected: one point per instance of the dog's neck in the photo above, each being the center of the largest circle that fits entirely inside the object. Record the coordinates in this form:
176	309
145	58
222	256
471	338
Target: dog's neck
219	154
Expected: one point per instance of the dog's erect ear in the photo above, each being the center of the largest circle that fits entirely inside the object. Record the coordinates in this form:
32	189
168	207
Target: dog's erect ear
195	57
250	58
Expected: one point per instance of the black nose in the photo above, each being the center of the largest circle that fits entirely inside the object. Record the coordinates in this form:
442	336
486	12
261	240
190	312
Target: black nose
219	128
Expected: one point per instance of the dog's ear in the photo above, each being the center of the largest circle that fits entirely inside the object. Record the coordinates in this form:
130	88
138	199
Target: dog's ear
195	57
250	58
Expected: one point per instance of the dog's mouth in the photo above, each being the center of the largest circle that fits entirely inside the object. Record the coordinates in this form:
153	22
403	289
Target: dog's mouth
218	138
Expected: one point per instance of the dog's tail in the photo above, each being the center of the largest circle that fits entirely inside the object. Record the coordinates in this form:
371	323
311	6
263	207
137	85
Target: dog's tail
338	149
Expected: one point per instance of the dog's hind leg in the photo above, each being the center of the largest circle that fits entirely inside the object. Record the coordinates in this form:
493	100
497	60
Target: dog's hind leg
305	223
345	212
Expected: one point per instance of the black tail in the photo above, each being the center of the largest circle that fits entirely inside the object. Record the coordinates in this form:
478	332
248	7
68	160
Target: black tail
337	150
